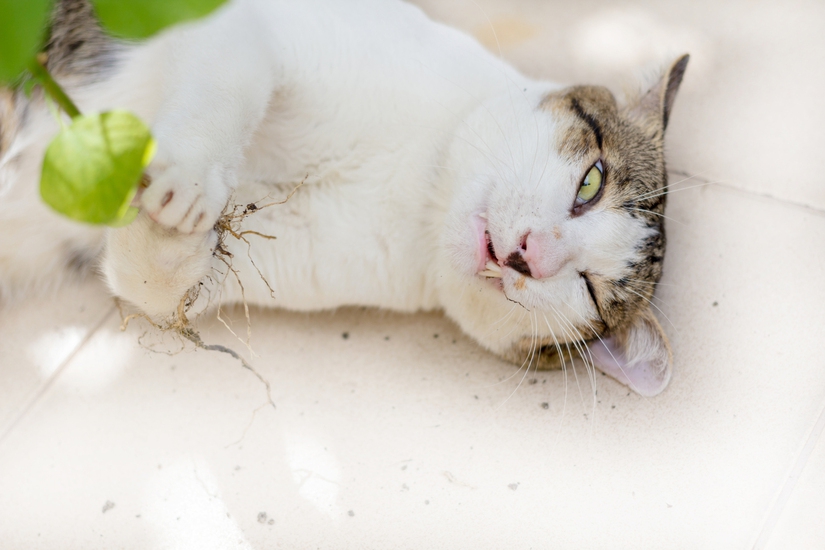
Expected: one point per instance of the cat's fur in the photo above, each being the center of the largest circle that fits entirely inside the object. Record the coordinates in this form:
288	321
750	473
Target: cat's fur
412	141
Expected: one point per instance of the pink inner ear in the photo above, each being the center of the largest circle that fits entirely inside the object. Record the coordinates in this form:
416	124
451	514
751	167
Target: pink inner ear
644	377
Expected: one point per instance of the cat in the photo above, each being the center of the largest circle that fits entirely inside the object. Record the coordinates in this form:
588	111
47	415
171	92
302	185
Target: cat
435	176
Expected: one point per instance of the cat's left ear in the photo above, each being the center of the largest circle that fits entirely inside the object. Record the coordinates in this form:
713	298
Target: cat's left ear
652	110
638	356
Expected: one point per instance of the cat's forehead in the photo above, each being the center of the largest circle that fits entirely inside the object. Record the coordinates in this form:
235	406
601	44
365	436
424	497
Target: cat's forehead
582	115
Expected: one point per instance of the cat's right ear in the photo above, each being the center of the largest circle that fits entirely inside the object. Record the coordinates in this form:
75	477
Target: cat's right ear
652	109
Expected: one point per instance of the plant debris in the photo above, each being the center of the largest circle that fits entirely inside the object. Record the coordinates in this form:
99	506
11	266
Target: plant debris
228	225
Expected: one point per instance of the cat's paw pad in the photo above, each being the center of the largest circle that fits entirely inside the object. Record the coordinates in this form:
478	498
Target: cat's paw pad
189	201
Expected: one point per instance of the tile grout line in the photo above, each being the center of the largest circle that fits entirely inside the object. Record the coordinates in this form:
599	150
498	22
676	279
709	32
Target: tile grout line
786	202
780	502
784	495
51	380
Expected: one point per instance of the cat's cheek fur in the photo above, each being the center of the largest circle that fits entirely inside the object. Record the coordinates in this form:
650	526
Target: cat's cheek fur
153	267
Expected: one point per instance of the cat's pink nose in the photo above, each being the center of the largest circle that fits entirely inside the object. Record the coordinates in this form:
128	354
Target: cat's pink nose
520	258
534	258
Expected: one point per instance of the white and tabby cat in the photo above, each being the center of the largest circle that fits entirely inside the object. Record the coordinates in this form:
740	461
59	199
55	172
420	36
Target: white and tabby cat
438	178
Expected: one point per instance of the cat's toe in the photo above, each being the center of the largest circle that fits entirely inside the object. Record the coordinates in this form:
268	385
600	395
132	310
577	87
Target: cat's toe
196	217
177	200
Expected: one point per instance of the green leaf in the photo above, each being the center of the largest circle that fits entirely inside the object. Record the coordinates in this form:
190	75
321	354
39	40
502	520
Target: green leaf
130	215
22	29
28	86
143	18
92	168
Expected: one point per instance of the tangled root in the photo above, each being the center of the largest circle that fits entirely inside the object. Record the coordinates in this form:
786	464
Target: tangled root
228	225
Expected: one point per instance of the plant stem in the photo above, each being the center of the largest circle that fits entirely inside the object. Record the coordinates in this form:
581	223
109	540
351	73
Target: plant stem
41	74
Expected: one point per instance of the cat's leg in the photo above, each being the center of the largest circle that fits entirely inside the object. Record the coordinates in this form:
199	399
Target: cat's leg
218	80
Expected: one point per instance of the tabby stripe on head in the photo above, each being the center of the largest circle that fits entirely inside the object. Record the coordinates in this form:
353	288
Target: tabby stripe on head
587	118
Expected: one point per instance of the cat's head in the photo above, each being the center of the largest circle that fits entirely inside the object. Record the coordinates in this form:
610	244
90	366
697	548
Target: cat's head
556	231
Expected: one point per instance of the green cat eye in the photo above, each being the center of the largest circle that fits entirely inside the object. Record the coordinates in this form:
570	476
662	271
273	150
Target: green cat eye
591	184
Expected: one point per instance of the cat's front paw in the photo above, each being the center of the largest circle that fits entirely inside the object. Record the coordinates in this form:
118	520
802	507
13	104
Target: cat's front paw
187	199
153	267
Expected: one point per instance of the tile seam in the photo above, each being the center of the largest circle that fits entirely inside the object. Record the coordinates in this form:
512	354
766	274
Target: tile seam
31	402
785	202
780	502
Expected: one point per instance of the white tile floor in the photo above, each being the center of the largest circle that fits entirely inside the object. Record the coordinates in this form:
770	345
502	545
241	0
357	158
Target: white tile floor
405	434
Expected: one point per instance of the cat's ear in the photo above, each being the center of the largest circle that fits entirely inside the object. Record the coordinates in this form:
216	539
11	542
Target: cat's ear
652	109
638	356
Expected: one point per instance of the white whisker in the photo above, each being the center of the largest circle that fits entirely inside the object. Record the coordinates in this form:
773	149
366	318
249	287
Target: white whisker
687	178
563	371
516	324
533	349
607	349
493	327
665	191
651	283
590	366
654	305
674	220
572	362
577	338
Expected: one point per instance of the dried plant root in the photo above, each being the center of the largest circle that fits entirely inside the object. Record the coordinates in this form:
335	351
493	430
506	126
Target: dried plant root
227	225
195	338
181	326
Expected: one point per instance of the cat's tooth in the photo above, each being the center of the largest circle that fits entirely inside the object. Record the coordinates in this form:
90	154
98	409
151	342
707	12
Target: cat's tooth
483	215
493	266
490	274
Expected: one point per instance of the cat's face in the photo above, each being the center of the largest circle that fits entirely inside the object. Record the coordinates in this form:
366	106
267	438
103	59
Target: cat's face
557	226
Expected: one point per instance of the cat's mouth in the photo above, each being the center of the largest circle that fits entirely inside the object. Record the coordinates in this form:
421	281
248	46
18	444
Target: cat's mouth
492	269
488	263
